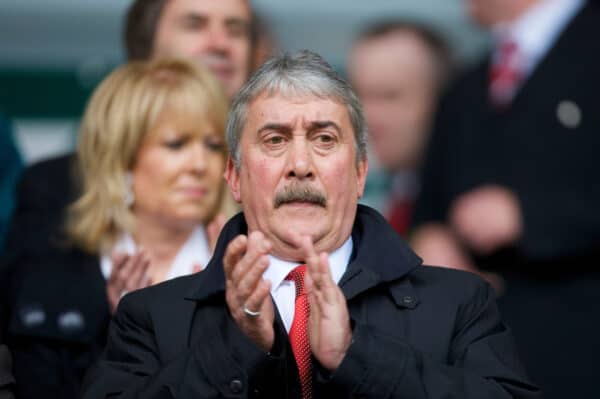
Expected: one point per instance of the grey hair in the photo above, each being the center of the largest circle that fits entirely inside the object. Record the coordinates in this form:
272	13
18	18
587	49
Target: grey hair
299	74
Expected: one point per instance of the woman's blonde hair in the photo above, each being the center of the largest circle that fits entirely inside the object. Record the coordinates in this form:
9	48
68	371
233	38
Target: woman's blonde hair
120	114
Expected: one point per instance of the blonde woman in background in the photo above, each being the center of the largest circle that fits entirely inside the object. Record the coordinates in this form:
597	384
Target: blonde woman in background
152	174
151	156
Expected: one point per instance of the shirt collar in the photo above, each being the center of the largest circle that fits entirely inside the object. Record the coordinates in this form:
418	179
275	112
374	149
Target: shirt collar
194	251
338	262
535	31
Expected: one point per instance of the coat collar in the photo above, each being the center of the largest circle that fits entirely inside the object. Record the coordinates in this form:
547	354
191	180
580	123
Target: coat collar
380	256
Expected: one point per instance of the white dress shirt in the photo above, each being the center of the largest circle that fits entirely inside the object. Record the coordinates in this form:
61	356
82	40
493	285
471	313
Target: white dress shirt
194	251
536	30
284	291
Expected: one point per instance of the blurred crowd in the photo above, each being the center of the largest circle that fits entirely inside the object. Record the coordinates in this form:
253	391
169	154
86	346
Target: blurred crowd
489	169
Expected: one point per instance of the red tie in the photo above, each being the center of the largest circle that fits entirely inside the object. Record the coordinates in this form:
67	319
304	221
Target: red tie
299	332
399	216
505	74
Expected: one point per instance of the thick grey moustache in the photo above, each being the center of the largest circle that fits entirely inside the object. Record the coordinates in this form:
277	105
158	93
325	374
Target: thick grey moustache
300	193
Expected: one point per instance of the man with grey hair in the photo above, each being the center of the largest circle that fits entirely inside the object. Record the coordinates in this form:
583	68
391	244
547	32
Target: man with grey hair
308	294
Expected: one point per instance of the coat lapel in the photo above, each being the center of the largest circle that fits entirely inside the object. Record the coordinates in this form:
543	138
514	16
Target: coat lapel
372	264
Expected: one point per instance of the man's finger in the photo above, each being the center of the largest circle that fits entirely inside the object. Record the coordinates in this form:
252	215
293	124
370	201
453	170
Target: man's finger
310	255
255	302
249	281
233	254
316	306
257	246
318	267
328	287
312	260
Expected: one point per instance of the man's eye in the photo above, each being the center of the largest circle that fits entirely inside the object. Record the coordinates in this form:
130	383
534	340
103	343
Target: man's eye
325	140
275	140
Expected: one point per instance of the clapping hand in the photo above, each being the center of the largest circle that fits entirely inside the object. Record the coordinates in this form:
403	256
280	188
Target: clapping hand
247	294
329	329
129	273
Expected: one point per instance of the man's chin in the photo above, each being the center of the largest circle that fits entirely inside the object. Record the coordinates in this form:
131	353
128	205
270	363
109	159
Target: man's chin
303	209
293	229
303	216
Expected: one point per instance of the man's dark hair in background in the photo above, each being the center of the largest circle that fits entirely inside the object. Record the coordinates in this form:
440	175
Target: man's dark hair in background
140	27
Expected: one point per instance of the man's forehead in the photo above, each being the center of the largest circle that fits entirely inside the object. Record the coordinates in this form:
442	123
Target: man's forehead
238	9
276	105
276	97
400	48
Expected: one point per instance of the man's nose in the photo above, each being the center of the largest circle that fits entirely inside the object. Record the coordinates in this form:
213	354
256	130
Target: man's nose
300	160
218	39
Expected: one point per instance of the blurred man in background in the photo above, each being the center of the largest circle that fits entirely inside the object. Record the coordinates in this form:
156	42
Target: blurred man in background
509	182
265	41
398	69
215	33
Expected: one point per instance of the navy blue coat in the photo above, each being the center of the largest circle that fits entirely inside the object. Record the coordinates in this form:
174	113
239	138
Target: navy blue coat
418	332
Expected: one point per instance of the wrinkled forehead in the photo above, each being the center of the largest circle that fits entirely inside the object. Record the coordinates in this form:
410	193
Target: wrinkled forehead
301	87
284	106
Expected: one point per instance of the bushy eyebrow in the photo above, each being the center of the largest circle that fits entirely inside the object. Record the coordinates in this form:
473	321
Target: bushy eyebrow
318	125
310	127
278	127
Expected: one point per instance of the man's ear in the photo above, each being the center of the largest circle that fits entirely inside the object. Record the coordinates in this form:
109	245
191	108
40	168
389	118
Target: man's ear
362	169
233	180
